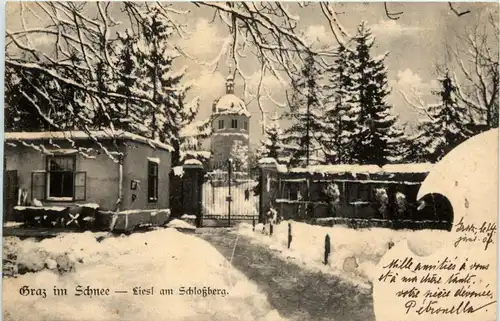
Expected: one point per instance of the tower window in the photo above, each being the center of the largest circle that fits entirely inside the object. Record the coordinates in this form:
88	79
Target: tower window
221	123
234	123
245	125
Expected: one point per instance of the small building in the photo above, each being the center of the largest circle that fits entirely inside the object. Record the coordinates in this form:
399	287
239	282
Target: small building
68	168
230	125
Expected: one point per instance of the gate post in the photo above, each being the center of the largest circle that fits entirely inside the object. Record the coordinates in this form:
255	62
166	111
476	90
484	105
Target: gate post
192	189
229	197
268	172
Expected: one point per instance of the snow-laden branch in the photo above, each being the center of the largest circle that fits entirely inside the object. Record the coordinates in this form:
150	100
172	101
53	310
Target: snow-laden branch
475	65
417	103
73	51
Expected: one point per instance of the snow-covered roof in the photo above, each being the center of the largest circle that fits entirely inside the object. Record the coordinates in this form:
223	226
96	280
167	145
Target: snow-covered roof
82	135
336	169
192	162
267	160
364	169
271	161
231	104
408	168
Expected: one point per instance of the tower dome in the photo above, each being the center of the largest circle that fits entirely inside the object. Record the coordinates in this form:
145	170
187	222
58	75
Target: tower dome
230	103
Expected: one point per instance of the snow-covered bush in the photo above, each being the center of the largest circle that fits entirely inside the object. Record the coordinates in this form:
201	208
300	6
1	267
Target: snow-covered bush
332	193
401	203
382	199
272	216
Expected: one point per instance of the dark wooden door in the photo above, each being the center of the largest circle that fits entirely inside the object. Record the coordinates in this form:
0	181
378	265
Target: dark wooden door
10	190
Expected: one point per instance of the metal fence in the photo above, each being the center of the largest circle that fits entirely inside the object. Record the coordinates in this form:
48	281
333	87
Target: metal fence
229	198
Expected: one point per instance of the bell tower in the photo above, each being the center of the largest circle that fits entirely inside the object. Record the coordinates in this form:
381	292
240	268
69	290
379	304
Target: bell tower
230	126
230	83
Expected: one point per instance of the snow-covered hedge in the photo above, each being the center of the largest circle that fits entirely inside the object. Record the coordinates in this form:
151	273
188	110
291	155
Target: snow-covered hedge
396	224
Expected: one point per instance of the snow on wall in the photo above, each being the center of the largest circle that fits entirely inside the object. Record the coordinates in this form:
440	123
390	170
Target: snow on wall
336	169
244	135
192	162
408	168
271	161
154	160
365	169
40	208
196	154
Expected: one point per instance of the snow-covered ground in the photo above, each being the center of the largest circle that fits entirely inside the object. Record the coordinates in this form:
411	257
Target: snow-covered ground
164	258
215	202
181	224
354	253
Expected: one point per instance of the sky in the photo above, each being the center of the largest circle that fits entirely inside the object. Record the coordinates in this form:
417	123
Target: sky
415	43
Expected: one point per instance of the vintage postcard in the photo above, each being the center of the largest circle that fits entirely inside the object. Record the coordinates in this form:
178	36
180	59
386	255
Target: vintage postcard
253	161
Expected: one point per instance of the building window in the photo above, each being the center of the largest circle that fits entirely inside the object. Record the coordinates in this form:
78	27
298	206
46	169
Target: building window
234	123
63	183
152	181
245	125
221	123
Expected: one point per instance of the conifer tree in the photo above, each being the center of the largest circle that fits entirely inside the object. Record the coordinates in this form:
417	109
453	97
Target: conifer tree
303	140
20	114
161	83
446	126
272	145
379	133
342	111
127	74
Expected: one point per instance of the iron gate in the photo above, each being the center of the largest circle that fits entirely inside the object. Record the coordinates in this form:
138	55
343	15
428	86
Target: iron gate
230	197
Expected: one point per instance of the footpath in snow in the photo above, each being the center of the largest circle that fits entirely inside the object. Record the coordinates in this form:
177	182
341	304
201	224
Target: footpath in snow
163	259
354	254
298	293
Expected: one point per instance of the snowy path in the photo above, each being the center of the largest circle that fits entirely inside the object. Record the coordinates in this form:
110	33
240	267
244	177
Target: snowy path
296	293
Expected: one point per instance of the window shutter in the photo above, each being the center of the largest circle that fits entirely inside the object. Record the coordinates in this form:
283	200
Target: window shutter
80	186
38	184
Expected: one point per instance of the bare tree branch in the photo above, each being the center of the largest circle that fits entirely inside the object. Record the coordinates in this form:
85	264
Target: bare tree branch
392	15
455	11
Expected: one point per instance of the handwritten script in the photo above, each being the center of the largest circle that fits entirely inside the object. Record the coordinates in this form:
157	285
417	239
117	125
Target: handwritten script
450	285
424	285
456	282
484	233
